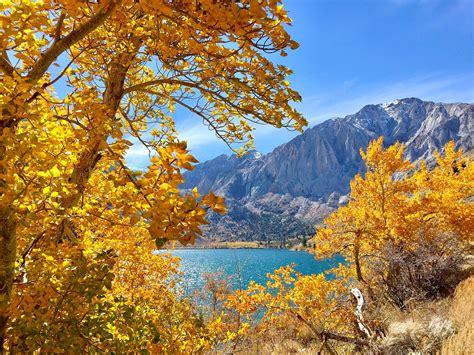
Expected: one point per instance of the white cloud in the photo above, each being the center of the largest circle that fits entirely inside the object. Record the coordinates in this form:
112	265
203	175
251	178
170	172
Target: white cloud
196	134
138	150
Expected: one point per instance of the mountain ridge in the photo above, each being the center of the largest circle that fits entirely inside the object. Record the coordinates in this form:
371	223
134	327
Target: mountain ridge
286	191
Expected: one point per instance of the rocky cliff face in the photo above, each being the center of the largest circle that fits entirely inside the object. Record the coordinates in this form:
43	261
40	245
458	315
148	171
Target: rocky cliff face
287	191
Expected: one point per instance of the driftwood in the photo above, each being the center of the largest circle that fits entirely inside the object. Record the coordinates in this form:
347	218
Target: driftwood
358	311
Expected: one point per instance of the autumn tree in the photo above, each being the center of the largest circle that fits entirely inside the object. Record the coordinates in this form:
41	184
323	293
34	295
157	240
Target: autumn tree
397	204
289	305
79	81
377	202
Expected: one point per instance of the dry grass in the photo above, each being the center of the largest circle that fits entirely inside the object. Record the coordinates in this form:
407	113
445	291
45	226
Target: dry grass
422	327
290	337
462	314
443	326
289	346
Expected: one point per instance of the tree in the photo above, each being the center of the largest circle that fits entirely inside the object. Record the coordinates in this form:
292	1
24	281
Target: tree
401	235
375	209
399	205
292	303
443	199
123	67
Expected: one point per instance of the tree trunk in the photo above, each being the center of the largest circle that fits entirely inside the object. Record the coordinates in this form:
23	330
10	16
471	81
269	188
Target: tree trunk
8	252
7	262
83	170
357	258
89	158
7	248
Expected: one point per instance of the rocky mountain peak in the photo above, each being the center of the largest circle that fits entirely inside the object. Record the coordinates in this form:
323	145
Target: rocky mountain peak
307	177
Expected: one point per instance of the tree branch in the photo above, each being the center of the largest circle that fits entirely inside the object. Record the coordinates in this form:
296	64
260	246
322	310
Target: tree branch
5	66
344	338
330	335
57	30
45	85
30	246
137	87
71	121
53	52
242	111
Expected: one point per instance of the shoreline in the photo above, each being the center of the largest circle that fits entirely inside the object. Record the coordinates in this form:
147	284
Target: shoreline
243	245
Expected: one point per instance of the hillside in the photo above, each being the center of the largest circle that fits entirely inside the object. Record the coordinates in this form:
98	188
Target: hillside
285	192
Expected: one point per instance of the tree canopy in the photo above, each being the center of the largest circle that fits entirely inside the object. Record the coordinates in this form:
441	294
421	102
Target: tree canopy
400	204
79	81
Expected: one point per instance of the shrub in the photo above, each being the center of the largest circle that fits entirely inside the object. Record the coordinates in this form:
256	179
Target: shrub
426	271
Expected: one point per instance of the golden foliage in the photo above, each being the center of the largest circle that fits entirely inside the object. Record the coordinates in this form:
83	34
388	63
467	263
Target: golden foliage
398	203
315	304
80	83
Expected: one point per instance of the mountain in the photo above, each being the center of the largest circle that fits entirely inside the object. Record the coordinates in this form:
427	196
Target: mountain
285	192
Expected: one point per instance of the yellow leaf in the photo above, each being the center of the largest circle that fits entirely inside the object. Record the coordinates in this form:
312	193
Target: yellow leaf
54	171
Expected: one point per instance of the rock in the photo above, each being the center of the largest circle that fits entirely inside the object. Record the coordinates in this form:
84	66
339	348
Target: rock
300	182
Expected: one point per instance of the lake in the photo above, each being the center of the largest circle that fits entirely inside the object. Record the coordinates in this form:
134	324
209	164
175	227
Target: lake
254	264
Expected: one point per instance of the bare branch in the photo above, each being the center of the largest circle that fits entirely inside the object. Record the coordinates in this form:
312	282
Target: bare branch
206	119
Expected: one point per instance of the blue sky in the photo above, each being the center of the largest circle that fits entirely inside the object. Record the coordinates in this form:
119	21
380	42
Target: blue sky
358	52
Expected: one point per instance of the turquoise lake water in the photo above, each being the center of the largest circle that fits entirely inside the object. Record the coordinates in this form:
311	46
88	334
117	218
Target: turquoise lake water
254	264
